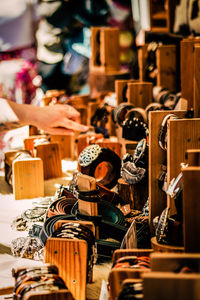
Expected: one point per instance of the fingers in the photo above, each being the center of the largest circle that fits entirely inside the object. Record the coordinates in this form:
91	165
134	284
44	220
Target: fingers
72	113
58	131
74	125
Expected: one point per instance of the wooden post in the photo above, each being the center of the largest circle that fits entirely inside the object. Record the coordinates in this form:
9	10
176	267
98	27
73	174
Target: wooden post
140	93
196	81
157	198
192	157
50	154
166	65
191	208
182	134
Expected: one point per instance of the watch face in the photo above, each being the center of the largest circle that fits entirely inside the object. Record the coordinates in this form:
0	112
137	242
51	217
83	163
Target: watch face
89	154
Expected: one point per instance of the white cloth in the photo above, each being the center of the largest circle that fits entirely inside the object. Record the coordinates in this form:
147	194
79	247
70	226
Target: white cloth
6	114
16	23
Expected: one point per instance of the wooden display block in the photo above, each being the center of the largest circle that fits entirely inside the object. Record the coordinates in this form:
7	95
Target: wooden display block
190	72
100	81
84	140
142	61
192	157
140	93
173	286
70	256
164	248
50	154
29	142
157	198
130	252
171	262
167	68
118	275
28	178
66	143
162	15
103	56
133	194
191	206
121	89
45	295
182	134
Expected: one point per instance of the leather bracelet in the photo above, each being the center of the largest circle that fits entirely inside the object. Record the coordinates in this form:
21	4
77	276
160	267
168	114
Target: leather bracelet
162	137
60	207
119	112
92	156
137	112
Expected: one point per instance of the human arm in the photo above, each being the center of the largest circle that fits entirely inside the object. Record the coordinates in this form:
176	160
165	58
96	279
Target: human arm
56	119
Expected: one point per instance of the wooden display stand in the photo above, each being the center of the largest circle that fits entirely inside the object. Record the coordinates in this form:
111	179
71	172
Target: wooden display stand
157	198
164	248
140	93
166	66
29	142
190	72
192	157
165	286
70	256
27	176
105	61
50	154
121	89
66	143
191	206
118	275
182	134
104	57
162	15
170	262
133	194
54	295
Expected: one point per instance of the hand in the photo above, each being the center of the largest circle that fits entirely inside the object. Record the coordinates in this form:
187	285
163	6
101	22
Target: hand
56	119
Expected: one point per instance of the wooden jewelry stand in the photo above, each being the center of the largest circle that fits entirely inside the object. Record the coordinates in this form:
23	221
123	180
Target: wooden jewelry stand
58	295
27	176
118	275
166	66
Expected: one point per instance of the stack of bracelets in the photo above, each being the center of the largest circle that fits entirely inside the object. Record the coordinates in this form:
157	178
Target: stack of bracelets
60	207
134	262
131	291
78	231
36	279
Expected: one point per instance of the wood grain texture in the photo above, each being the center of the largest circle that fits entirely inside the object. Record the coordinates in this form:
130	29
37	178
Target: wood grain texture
130	252
182	134
191	208
70	256
45	295
50	154
187	69
28	178
173	286
66	144
140	93
164	248
192	157
142	61
169	262
157	198
166	65
120	85
196	81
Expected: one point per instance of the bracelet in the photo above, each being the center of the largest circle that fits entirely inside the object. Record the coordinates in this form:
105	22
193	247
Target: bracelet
92	156
162	137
